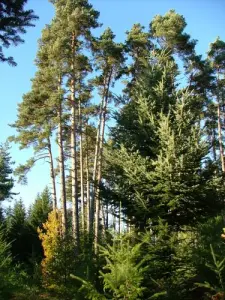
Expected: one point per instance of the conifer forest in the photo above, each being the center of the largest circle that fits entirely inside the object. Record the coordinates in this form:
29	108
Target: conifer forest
132	134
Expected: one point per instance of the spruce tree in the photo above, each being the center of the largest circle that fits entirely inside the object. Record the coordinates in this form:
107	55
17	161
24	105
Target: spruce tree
172	178
19	233
40	209
5	266
6	180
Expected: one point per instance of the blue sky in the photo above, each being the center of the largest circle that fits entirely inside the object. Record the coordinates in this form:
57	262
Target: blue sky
205	21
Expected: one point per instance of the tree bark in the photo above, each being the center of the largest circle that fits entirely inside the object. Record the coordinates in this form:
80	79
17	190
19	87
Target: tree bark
220	138
99	165
220	129
62	167
95	163
114	218
96	193
81	169
120	218
73	140
52	175
213	145
88	185
75	207
107	217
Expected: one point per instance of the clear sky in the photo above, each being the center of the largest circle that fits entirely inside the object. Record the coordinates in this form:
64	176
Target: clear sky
205	21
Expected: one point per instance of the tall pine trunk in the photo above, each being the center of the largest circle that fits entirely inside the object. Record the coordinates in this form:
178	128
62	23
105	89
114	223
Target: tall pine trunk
220	138
96	158
73	140
220	128
74	181
88	223
120	218
62	167
214	144
95	166
96	196
99	162
52	175
81	169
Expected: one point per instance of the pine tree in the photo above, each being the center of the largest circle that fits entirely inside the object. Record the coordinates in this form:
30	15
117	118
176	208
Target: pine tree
109	60
40	113
168	31
216	56
14	20
75	23
137	46
34	126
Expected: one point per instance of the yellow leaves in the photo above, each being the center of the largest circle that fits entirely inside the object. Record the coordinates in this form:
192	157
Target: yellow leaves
50	237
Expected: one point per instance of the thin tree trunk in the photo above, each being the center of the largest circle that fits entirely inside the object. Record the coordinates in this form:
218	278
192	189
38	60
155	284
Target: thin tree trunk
96	195
120	218
102	218
88	185
114	219
52	175
213	145
97	215
107	217
75	207
129	226
96	160
220	138
93	189
62	168
220	129
99	165
81	169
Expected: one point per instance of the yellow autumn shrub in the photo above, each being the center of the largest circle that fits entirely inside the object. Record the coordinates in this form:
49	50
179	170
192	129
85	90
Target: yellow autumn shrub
59	254
50	235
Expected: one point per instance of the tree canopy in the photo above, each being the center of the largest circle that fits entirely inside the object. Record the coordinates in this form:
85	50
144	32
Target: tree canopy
14	20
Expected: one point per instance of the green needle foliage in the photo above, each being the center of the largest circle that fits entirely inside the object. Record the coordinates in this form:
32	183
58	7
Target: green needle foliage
123	272
38	212
6	181
168	30
5	265
14	19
